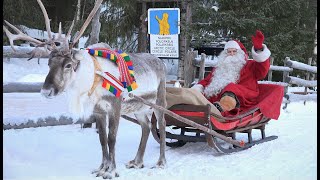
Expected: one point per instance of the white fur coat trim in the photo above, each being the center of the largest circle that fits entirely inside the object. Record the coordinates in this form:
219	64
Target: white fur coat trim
198	87
262	55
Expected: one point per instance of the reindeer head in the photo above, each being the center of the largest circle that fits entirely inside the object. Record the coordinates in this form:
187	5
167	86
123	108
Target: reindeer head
63	61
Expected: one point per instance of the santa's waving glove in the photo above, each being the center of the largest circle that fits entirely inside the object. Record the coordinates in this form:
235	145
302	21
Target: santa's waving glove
260	51
257	40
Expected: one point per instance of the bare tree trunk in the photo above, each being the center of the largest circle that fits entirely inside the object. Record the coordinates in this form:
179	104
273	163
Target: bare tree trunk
84	7
142	39
184	39
78	11
95	29
76	19
315	45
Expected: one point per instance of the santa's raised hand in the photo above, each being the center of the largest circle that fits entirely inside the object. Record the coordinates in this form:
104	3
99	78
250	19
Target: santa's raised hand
260	51
257	40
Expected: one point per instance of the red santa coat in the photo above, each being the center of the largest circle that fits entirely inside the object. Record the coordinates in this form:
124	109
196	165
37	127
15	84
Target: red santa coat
247	89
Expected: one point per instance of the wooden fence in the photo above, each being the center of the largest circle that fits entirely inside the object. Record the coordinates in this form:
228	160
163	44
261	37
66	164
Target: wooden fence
289	67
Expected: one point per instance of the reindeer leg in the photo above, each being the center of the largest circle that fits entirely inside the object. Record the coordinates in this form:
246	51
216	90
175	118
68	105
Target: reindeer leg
145	127
161	101
101	122
114	119
161	123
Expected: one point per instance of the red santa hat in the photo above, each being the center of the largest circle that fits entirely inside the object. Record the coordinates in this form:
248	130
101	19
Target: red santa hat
235	44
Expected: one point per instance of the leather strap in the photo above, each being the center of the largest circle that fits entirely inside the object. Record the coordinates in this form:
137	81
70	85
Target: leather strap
97	78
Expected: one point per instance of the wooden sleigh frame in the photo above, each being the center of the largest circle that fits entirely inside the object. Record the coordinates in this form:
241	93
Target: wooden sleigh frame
197	124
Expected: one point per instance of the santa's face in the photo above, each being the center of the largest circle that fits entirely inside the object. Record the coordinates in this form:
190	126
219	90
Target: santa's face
231	57
231	51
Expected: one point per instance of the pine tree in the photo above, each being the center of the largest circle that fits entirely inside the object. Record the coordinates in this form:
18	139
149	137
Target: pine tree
119	24
288	25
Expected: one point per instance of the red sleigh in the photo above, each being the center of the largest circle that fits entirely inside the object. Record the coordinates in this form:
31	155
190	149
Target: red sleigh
195	123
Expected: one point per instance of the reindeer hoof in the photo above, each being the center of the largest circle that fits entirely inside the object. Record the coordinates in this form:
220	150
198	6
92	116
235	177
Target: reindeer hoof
133	164
105	172
161	164
110	175
101	170
98	171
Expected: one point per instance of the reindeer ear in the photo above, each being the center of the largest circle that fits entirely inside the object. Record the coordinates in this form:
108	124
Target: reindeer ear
73	51
76	58
76	55
75	68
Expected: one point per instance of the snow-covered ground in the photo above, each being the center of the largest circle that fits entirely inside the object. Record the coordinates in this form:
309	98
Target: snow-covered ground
70	152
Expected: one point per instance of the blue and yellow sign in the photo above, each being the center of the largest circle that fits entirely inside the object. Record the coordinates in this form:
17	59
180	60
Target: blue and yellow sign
164	30
164	21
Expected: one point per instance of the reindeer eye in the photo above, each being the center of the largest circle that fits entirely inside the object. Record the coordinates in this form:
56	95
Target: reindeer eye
68	66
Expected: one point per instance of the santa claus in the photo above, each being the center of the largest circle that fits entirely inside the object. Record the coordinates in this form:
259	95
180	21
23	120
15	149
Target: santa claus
233	84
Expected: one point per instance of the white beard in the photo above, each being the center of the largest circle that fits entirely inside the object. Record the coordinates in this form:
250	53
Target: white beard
227	71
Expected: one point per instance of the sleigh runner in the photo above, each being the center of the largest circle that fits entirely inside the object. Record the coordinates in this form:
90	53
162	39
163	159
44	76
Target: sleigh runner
197	123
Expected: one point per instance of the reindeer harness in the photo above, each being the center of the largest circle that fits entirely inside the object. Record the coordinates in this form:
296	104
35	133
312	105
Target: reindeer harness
112	84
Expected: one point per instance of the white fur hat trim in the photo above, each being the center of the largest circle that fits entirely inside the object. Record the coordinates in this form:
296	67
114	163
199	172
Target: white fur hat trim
232	44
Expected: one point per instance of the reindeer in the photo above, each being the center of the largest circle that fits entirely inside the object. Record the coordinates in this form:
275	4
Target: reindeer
74	72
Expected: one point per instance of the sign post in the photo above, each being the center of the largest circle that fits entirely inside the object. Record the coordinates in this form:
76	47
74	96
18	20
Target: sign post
164	30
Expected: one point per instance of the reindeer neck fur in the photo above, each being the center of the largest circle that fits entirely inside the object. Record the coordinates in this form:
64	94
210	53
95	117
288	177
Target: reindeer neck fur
80	103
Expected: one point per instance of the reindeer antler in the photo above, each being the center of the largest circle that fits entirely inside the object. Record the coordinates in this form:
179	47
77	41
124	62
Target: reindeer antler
20	35
46	18
50	43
